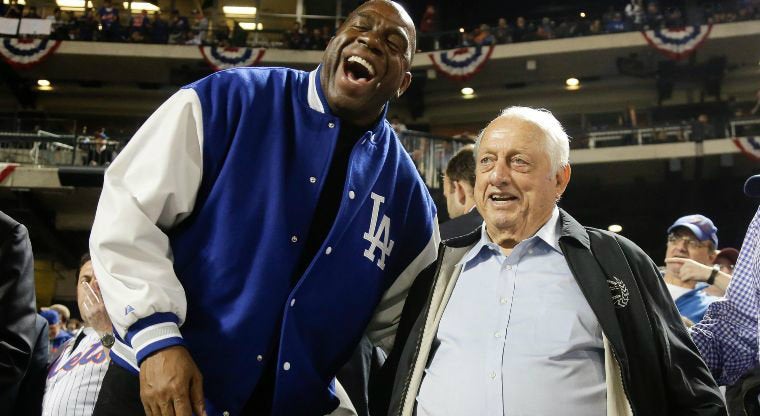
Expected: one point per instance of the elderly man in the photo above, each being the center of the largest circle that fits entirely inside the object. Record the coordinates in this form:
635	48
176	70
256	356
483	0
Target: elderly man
689	268
253	227
458	188
535	314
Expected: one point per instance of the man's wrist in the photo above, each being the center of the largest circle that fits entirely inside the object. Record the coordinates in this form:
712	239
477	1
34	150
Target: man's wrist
107	339
713	274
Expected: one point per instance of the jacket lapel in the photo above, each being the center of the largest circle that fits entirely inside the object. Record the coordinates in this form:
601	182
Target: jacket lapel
575	245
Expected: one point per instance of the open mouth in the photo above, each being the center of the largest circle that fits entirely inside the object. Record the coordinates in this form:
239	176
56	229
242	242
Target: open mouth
358	69
502	198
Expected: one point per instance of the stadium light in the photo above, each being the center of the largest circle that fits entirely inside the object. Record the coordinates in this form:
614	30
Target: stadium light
583	14
461	30
20	2
43	83
140	5
467	91
615	228
251	26
239	10
572	82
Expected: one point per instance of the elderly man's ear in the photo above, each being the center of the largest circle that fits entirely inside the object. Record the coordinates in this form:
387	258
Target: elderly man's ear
563	178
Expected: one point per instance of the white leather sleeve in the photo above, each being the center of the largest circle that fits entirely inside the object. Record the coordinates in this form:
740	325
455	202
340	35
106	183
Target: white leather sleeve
150	187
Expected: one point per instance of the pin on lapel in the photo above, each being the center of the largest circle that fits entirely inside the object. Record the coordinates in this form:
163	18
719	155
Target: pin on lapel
619	292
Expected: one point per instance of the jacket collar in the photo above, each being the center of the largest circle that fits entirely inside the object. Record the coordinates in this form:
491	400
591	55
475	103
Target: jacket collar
572	229
315	96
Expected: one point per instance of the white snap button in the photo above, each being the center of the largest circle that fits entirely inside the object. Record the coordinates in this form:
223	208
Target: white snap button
351	195
331	125
286	366
225	413
292	302
313	179
328	250
497	334
294	239
503	301
259	358
493	374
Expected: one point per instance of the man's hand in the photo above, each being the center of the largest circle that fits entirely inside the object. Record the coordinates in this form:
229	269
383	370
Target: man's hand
690	269
171	384
94	312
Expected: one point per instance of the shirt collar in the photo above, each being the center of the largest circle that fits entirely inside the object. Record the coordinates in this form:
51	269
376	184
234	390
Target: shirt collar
318	102
548	233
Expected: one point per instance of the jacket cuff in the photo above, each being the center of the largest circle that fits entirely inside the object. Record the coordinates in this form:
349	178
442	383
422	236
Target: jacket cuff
154	333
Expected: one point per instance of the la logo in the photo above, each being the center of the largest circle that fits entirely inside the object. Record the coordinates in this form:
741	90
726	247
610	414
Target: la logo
379	236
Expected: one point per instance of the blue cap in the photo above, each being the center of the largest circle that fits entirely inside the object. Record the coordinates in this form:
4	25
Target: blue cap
752	186
701	226
51	316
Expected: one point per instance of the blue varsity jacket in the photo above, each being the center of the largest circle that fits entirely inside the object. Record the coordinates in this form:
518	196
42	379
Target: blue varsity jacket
268	141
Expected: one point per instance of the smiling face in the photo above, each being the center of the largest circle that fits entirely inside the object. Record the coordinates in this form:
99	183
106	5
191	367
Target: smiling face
367	62
515	185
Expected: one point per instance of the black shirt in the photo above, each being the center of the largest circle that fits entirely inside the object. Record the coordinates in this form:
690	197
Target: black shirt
329	200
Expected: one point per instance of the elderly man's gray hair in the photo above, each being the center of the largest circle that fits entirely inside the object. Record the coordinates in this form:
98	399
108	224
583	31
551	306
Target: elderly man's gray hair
556	143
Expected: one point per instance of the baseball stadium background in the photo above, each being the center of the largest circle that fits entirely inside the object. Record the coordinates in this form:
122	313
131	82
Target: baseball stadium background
660	111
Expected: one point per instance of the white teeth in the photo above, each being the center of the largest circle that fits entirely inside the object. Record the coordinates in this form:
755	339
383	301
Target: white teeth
363	63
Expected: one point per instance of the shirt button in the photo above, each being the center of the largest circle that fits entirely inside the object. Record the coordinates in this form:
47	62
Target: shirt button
328	250
294	239
286	366
530	251
509	267
259	358
225	413
313	179
497	334
493	374
351	195
503	301
292	302
331	125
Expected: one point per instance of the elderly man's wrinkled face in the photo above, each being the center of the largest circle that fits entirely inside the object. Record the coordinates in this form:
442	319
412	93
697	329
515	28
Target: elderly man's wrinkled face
367	62
515	186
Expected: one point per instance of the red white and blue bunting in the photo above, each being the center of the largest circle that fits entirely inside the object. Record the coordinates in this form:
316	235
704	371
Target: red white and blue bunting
26	53
750	146
223	58
677	43
463	63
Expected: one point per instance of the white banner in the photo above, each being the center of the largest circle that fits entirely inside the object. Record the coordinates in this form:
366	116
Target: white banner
35	27
8	26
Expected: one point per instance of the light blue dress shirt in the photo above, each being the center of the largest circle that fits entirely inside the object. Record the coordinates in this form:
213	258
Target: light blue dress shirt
517	337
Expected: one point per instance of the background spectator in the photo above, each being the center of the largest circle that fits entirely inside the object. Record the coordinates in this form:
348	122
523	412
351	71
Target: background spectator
199	28
178	28
158	28
31	13
503	33
56	335
138	26
108	16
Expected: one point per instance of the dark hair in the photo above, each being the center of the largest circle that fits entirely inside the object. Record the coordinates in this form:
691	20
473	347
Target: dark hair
461	167
82	261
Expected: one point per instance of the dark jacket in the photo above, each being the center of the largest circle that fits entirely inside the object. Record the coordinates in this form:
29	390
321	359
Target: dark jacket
662	372
461	225
18	314
32	387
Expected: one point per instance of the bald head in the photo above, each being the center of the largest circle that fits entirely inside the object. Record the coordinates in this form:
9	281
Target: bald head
408	23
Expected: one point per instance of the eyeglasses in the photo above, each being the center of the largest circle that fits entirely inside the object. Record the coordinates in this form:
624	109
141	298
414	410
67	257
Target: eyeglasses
691	243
